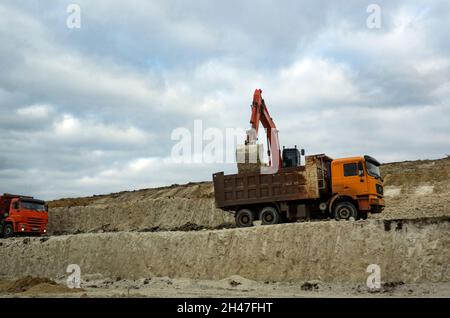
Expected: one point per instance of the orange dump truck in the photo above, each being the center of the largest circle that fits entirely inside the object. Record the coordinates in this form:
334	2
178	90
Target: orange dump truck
341	188
22	214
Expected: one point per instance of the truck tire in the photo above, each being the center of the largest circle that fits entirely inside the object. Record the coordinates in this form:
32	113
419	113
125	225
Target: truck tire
345	211
244	218
8	230
269	215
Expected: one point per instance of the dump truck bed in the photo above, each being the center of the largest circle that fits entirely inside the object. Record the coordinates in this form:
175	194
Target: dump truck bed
296	183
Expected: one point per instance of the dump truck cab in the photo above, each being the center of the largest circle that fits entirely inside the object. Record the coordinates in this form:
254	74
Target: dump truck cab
22	214
358	181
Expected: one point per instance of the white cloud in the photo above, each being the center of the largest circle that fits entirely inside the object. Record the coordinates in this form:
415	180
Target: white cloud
35	111
141	164
312	81
70	128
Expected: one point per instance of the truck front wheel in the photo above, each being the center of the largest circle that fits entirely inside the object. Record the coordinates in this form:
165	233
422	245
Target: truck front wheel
8	230
244	218
345	211
269	215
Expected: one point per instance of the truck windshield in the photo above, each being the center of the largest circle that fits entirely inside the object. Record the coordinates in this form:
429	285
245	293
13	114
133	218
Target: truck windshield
373	170
34	206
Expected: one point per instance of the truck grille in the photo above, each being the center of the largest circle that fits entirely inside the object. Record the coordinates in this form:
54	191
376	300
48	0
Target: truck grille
379	189
35	222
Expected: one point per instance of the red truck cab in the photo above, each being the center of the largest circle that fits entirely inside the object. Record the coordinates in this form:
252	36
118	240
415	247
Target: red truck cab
22	214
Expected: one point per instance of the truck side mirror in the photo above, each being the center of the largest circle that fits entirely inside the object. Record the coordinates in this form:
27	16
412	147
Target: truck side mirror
46	208
16	205
302	152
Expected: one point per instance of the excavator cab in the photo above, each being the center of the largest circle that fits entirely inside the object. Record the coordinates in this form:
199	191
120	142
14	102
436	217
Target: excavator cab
292	157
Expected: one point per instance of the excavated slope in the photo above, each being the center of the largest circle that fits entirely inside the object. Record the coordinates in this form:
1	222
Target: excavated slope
416	188
413	189
407	251
185	207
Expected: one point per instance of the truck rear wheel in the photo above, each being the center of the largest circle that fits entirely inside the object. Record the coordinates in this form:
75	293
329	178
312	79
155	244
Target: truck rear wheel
344	211
269	215
8	230
245	218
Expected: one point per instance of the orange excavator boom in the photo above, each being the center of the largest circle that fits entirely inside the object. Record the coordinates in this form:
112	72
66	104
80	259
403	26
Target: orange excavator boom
260	113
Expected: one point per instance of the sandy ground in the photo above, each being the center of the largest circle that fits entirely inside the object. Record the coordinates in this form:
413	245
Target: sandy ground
234	286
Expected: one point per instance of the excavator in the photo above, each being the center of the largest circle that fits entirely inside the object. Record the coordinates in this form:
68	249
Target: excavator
343	189
260	114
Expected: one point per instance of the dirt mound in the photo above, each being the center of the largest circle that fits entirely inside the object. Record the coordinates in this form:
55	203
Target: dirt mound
310	286
30	285
236	280
27	282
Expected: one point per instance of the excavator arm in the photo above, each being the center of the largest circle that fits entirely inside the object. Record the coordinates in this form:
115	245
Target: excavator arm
260	113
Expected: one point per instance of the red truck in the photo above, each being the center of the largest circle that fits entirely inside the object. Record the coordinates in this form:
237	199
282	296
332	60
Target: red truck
22	214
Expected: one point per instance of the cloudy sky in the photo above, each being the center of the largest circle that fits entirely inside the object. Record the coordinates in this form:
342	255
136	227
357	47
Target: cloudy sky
91	110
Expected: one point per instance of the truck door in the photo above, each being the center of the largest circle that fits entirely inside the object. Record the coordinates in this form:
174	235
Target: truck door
352	180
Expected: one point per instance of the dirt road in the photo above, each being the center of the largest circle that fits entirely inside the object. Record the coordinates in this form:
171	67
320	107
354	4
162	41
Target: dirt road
234	286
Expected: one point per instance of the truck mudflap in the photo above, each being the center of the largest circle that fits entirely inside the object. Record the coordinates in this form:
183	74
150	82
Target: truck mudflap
376	209
370	203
